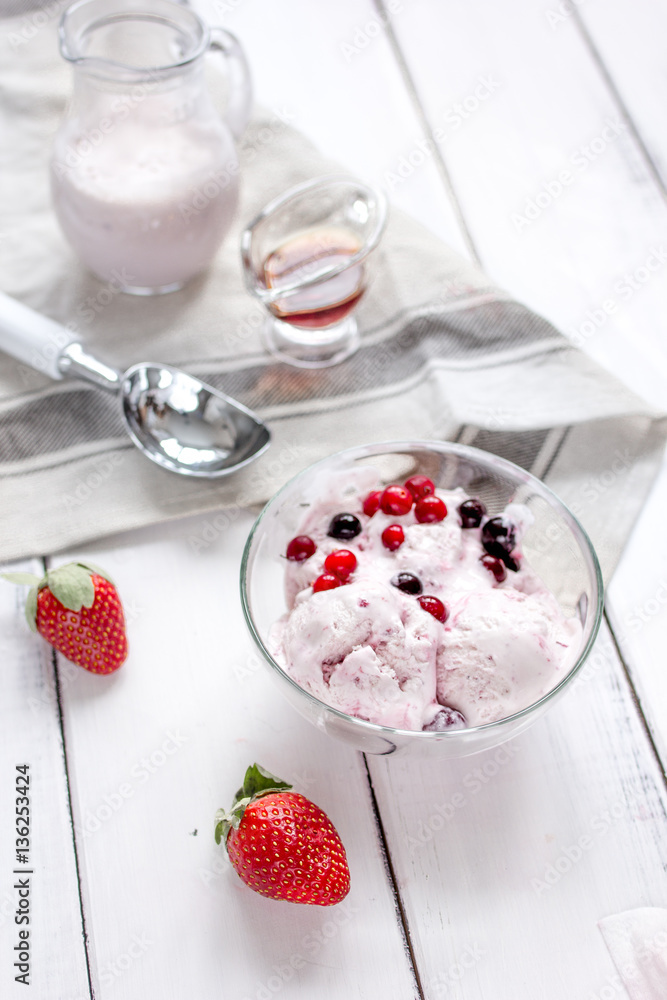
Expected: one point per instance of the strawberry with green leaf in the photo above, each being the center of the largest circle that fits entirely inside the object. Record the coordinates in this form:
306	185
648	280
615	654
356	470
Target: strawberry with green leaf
281	844
77	610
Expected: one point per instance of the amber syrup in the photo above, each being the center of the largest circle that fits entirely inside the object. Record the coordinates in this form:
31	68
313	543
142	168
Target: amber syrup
312	255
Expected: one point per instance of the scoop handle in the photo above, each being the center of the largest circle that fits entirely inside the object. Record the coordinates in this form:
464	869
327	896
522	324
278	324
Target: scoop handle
34	339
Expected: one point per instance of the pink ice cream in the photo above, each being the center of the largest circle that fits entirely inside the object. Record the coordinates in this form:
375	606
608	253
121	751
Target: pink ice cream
370	649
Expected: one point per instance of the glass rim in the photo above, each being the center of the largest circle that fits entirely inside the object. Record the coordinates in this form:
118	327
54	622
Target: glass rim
119	71
372	194
482	457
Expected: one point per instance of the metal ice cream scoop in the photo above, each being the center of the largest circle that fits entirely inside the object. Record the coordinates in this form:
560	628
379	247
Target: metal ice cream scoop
177	421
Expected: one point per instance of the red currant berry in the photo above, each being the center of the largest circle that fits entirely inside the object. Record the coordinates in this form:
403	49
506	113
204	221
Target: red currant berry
430	509
300	548
396	500
372	503
420	486
434	606
393	537
495	566
341	563
326	582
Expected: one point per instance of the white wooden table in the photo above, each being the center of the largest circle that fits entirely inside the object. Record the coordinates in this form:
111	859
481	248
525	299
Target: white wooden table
453	892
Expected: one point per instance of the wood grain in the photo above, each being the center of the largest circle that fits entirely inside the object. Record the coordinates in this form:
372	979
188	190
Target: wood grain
637	601
31	735
626	40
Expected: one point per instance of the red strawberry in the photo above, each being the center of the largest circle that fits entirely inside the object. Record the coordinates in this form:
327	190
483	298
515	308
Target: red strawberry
77	610
281	844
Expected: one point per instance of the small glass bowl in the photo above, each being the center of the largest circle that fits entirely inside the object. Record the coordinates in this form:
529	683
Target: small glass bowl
306	258
556	546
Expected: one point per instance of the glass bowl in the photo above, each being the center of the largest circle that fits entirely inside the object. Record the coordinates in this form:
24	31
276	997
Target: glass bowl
555	545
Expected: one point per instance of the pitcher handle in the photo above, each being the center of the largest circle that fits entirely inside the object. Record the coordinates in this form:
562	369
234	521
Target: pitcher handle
240	84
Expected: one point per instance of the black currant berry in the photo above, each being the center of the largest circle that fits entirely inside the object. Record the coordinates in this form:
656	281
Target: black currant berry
344	526
498	539
407	582
471	513
447	718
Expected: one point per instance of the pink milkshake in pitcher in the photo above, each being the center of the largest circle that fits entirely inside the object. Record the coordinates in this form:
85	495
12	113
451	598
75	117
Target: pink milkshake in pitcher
144	171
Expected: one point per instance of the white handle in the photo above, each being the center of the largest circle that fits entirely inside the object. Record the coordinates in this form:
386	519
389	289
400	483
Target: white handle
32	338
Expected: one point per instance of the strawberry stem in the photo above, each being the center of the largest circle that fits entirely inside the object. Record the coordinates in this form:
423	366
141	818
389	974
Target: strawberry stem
256	782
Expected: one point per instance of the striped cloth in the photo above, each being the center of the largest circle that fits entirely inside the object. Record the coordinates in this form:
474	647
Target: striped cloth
444	355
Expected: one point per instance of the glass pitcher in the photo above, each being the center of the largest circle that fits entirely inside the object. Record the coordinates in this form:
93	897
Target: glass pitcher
144	171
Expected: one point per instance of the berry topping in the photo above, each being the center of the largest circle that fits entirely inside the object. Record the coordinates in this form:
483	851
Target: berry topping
495	566
326	582
344	526
447	718
499	538
471	513
300	548
434	606
430	509
396	500
420	486
393	537
341	563
407	582
372	503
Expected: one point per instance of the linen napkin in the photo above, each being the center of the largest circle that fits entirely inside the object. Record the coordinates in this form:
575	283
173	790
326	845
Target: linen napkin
637	943
445	354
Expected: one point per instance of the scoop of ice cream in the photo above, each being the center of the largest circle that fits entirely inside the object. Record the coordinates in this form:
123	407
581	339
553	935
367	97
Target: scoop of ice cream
365	649
503	651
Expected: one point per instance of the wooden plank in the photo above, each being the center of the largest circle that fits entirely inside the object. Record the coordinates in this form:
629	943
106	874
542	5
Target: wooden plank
637	602
31	736
628	42
158	747
555	191
628	39
507	860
